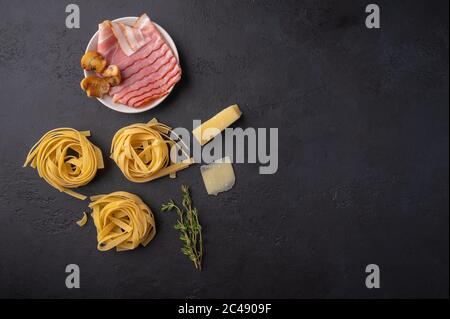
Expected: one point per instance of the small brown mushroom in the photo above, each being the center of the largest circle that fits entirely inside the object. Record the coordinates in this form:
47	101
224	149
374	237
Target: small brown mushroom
112	74
95	86
93	61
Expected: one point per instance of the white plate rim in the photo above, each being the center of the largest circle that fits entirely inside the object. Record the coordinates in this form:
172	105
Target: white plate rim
107	101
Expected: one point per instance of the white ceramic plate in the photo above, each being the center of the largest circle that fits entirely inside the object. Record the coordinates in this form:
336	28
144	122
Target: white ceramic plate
107	100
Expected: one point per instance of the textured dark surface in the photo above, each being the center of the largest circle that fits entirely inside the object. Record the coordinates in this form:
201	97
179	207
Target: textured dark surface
363	175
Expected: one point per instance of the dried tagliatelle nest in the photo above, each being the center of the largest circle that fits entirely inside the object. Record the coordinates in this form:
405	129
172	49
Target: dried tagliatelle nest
66	159
142	152
123	221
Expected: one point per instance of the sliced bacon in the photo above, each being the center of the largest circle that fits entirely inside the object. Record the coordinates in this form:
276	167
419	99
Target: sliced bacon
109	46
143	86
155	94
148	65
157	88
144	24
145	72
132	90
153	57
107	42
152	98
105	37
123	61
151	86
132	38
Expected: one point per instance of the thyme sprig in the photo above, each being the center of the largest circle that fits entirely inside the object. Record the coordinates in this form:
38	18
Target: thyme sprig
188	226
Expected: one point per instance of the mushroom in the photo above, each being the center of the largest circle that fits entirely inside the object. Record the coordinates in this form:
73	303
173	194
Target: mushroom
95	86
112	74
93	61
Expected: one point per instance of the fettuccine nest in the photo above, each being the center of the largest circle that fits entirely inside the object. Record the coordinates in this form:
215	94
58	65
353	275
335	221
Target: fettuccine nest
142	151
66	159
123	221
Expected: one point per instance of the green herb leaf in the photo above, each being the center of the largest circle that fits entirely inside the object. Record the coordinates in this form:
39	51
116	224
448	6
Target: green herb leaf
188	226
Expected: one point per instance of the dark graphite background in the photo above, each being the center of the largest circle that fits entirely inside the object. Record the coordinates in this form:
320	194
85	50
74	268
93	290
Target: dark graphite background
363	155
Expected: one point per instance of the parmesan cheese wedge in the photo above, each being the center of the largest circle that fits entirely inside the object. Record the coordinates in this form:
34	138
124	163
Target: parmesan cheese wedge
215	125
218	176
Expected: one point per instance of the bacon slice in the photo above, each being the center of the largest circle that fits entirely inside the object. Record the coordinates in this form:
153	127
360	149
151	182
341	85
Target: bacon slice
107	44
149	71
155	94
132	38
111	40
132	71
150	59
123	61
148	66
142	84
149	83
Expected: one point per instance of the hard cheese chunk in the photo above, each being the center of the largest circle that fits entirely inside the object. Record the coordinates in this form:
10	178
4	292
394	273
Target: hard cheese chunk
209	129
218	176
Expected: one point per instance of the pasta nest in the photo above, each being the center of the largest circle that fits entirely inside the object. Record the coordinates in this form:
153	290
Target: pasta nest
65	159
142	151
122	220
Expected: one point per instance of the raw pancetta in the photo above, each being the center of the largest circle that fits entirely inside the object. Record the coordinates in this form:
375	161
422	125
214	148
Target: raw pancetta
148	66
